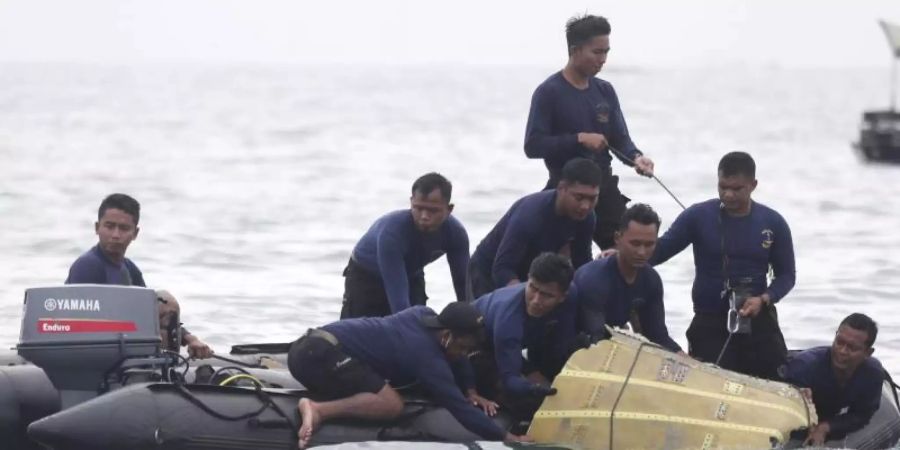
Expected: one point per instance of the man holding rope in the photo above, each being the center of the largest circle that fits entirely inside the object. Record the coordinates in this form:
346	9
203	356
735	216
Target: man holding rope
574	114
735	240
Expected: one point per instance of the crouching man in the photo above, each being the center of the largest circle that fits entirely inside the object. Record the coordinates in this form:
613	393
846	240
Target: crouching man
347	363
844	379
533	317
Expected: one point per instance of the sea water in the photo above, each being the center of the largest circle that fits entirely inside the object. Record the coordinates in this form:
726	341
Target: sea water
256	181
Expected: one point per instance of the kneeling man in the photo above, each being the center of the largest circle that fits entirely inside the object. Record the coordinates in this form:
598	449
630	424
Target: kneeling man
533	317
844	378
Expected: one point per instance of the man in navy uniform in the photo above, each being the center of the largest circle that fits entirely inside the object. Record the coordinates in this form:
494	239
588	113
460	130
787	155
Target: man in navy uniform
844	379
534	317
347	362
557	220
385	274
105	263
616	289
575	114
735	241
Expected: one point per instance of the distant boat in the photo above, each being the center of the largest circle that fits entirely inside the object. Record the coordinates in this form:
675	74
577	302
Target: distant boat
879	132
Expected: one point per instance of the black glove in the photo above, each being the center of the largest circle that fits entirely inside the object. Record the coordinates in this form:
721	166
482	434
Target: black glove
582	340
542	390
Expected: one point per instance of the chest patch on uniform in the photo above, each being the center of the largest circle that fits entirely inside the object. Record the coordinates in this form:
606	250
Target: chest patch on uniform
767	238
602	109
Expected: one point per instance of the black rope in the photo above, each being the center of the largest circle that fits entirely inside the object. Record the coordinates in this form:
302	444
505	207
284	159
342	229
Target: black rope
726	282
612	412
179	356
239	362
199	403
263	397
218	371
625	158
724	347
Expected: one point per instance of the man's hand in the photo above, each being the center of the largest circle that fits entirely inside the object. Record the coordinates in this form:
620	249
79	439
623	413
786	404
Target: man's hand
489	407
752	307
643	166
817	435
197	348
542	390
594	142
513	438
806	393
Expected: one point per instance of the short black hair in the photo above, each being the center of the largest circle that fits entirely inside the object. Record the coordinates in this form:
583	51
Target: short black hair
582	171
122	202
737	163
551	267
862	322
427	183
641	213
580	29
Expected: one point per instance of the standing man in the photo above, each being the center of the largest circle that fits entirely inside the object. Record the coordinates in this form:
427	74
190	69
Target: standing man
574	114
613	290
347	363
844	379
559	221
105	263
385	274
735	242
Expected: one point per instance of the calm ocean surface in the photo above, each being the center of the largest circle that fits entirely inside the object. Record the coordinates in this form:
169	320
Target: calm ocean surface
255	182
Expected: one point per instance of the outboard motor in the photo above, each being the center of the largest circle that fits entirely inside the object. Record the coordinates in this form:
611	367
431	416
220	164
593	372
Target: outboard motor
85	336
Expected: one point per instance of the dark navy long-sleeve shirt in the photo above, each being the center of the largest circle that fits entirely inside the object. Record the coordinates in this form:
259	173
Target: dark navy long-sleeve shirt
530	227
509	329
846	408
559	111
93	267
604	297
752	243
401	349
396	250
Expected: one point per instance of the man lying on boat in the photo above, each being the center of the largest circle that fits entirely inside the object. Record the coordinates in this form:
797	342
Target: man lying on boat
532	316
622	287
105	263
347	363
385	272
844	380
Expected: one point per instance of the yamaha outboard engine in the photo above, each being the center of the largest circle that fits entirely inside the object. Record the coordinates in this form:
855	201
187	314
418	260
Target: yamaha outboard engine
83	336
79	338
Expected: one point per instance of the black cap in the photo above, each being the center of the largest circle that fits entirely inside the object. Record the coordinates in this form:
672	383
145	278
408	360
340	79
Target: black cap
460	316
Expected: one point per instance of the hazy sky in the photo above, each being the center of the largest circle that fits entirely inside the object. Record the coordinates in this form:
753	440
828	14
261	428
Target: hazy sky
645	32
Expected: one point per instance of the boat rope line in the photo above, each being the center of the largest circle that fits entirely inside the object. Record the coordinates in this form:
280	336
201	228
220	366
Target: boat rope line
625	158
263	397
595	414
625	380
680	389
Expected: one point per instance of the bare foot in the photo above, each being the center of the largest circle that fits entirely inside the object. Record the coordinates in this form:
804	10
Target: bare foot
310	420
